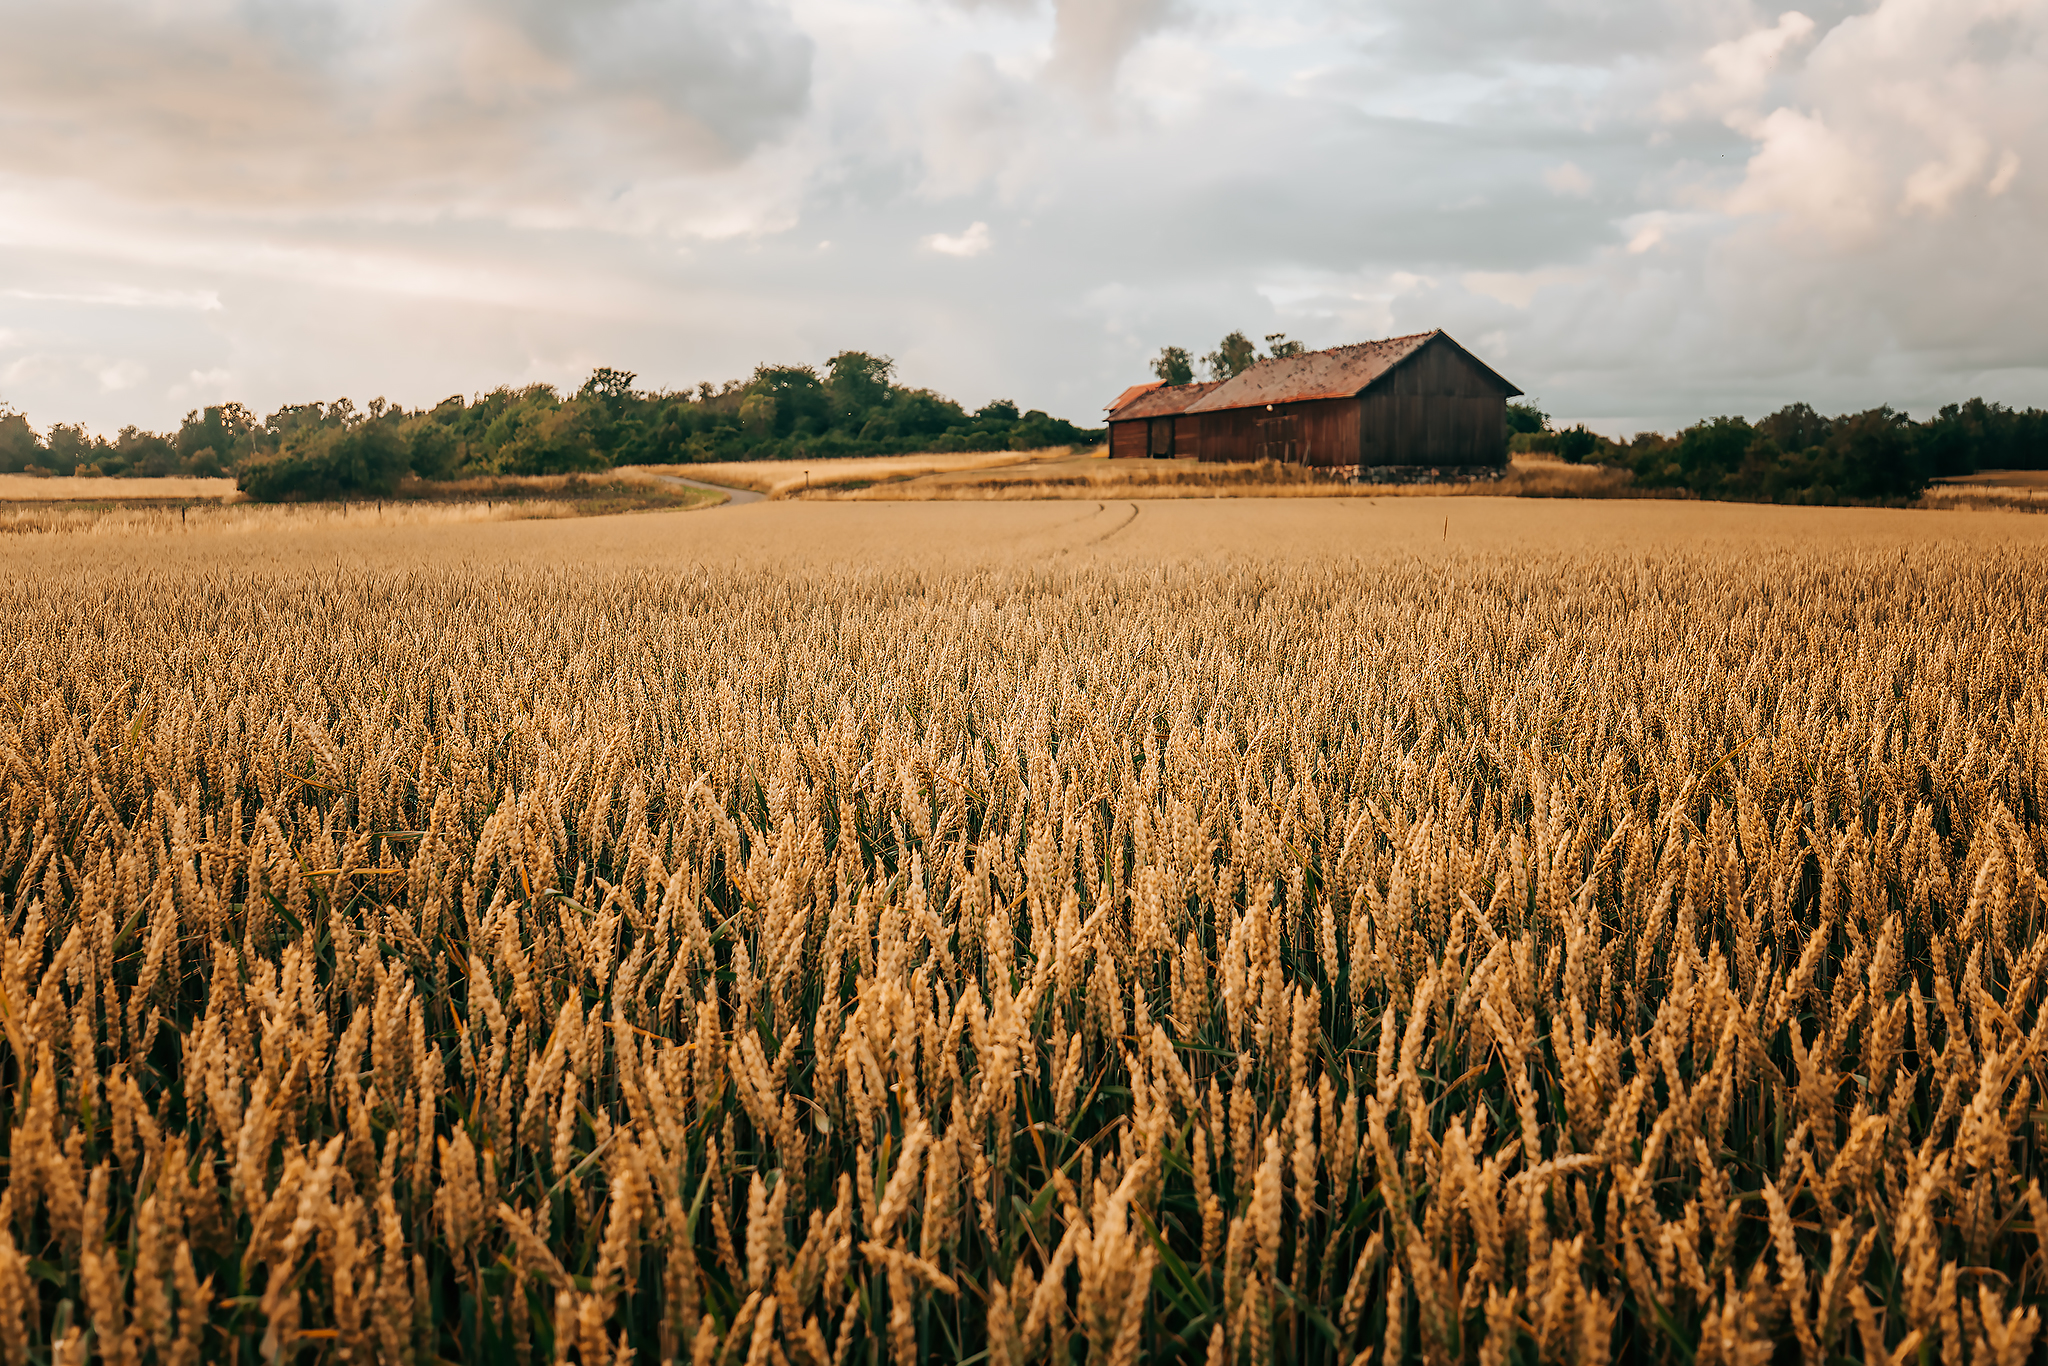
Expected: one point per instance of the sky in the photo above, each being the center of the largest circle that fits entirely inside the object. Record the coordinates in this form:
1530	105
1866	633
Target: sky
1643	212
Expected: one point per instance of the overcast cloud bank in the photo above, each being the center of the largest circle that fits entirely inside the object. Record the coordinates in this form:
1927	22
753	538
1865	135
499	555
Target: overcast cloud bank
1643	213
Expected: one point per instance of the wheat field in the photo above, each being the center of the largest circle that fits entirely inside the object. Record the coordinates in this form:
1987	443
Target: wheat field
1449	930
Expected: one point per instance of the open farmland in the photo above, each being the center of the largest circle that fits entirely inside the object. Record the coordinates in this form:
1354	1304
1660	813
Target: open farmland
980	476
1447	929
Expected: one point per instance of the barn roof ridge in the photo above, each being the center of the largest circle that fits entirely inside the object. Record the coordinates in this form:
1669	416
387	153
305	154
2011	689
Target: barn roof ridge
1334	372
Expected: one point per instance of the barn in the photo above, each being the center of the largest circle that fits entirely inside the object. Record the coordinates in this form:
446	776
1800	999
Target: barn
1416	402
1145	421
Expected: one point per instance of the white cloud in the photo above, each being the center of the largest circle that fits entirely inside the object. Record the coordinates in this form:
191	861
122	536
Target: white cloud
1738	73
124	296
1810	173
972	242
124	374
1898	113
1568	179
1648	234
2008	171
203	385
1518	289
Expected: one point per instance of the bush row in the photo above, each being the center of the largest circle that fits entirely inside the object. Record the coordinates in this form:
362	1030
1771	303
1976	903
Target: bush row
853	407
1796	455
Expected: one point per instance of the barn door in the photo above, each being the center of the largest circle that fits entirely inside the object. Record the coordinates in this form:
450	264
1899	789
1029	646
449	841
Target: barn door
1162	438
1279	438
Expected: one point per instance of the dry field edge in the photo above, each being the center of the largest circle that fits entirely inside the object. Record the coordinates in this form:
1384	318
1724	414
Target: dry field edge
1062	473
847	932
417	503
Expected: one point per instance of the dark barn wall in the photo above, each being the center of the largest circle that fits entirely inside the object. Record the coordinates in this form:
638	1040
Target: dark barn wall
1127	440
1436	408
1319	432
1187	436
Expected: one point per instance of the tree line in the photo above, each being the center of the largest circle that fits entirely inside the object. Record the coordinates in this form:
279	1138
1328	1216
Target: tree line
1234	355
1798	455
852	407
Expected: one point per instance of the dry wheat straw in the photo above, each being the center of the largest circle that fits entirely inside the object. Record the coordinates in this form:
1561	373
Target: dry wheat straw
1558	958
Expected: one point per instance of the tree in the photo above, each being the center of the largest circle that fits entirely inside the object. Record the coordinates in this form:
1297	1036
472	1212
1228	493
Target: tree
1173	365
613	388
329	461
800	403
433	452
143	454
1232	357
70	447
1576	444
1795	427
556	442
19	447
858	383
1878	455
1278	346
1526	418
1709	451
214	439
757	415
997	410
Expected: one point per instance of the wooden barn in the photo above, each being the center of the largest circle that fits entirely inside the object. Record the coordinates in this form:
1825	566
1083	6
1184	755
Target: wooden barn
1421	401
1145	421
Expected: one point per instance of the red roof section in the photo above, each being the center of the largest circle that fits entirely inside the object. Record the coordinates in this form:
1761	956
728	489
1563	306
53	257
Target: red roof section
1128	395
1158	400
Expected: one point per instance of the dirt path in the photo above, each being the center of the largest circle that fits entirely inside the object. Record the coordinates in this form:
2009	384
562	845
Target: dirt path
733	497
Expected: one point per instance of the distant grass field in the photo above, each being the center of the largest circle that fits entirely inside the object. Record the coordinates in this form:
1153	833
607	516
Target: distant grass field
781	478
1066	474
1345	931
2008	479
96	507
23	488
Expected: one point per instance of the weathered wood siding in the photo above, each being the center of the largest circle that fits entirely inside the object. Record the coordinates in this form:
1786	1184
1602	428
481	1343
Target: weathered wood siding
1187	436
1319	432
1127	440
1436	408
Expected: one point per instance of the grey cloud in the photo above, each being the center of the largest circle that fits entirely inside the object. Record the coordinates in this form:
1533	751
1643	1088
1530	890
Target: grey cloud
1090	38
438	105
738	68
1589	34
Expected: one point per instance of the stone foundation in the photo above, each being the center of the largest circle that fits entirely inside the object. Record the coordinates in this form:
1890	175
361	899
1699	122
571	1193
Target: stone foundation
1423	474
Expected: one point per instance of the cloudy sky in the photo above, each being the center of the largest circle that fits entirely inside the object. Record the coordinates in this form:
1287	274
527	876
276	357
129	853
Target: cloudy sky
1642	211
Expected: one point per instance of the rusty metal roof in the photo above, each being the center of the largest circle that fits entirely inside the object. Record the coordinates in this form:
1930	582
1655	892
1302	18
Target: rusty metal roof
1340	372
1157	400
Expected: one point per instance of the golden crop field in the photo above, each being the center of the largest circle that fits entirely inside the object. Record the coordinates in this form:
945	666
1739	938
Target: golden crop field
1453	930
